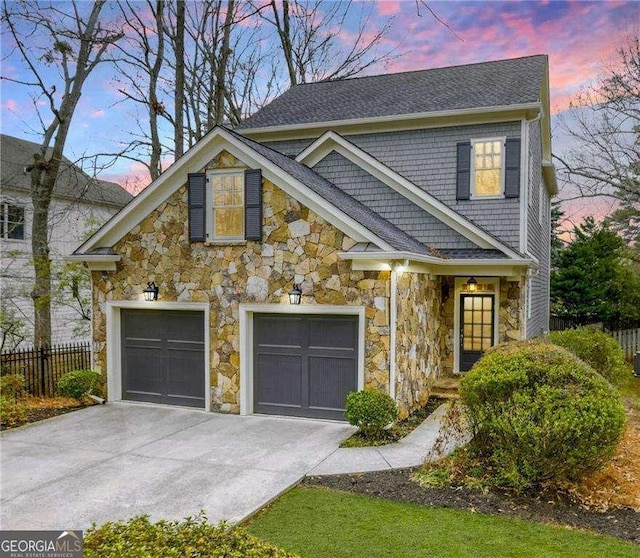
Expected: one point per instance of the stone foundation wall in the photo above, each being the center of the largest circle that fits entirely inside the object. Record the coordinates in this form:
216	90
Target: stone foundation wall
510	318
417	339
298	246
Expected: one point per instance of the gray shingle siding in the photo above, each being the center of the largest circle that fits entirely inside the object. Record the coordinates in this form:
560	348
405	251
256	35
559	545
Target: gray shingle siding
394	207
428	159
538	236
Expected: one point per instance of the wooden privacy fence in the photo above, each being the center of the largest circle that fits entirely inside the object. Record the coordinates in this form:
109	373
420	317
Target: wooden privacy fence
629	339
43	367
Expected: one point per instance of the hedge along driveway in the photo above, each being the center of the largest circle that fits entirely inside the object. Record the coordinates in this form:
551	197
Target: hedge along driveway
316	523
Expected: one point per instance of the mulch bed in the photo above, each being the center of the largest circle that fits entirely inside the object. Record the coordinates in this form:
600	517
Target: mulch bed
548	508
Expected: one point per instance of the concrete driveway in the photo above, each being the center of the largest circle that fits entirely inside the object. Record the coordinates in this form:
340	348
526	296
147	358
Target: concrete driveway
119	460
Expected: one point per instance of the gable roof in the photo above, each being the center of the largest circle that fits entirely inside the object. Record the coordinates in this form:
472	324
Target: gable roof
73	183
500	83
317	193
332	141
339	199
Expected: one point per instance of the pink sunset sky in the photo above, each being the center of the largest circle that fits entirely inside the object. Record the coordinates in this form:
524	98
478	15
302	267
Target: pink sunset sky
578	36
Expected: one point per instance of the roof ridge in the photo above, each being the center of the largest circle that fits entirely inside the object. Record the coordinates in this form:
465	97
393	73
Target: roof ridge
404	72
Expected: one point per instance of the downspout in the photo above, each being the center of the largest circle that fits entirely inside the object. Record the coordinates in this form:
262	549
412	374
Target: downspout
393	324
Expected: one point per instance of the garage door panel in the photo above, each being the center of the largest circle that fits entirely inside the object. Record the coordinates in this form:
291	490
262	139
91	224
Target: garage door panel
163	357
330	380
279	382
304	365
333	333
286	331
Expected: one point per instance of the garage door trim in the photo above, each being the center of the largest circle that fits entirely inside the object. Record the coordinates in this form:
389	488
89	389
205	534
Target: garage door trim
246	340
114	349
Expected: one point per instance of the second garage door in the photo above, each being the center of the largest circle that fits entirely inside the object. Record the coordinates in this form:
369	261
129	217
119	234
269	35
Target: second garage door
163	357
304	365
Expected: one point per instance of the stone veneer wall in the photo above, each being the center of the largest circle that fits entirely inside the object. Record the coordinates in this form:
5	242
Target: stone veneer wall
298	246
510	318
417	340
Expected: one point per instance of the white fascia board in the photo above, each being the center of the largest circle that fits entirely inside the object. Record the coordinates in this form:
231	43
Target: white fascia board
397	121
195	160
550	178
331	141
96	262
422	263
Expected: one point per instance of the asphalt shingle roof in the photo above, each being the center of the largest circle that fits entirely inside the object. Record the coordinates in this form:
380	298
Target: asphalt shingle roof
72	183
487	84
335	196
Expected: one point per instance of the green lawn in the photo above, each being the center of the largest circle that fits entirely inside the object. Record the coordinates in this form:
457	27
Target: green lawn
315	522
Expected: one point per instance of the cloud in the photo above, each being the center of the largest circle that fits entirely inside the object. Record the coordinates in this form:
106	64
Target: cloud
97	113
388	7
10	104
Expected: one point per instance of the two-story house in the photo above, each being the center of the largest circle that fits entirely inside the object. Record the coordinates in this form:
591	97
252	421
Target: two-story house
79	205
375	232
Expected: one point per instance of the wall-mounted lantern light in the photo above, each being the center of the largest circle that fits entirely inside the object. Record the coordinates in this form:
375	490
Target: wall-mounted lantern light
472	285
151	292
295	294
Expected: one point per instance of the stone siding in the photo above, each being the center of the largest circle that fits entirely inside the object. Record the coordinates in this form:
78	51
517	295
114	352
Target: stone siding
298	246
417	339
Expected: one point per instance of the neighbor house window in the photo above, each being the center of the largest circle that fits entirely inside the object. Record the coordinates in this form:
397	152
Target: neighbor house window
488	164
12	221
227	193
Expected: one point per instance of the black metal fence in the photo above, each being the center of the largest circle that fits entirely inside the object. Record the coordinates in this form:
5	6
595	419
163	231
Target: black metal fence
43	367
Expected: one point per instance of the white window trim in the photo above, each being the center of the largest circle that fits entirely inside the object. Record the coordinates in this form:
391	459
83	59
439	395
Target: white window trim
210	208
459	285
472	169
246	313
4	223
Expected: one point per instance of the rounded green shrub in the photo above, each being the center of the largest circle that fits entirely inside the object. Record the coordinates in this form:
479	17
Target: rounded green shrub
540	413
78	383
371	411
13	412
598	349
175	539
12	386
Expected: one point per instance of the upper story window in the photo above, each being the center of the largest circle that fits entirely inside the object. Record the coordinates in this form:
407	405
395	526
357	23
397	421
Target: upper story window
488	168
227	201
487	165
225	205
12	221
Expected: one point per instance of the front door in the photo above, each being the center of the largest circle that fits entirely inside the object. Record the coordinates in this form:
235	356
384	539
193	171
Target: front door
476	327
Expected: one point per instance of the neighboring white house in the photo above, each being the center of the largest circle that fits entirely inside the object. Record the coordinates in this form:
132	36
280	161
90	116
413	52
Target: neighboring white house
79	206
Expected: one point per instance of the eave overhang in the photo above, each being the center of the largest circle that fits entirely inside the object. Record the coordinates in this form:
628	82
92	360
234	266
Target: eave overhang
397	122
96	262
418	263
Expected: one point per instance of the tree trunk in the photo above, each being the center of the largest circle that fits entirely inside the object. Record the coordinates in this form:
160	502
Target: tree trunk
223	61
178	135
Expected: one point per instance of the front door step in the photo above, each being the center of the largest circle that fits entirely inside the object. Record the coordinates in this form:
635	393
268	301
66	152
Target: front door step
446	388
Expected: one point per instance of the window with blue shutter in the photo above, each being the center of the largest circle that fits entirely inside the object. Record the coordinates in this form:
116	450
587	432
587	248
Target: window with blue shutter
197	195
463	171
253	204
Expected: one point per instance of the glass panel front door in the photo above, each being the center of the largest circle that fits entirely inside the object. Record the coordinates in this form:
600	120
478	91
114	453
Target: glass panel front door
476	328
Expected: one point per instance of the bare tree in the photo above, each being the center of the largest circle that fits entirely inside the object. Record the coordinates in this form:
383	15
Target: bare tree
76	44
309	34
604	127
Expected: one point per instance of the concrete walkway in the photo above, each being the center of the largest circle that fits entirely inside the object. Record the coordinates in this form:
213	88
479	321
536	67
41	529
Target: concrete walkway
436	437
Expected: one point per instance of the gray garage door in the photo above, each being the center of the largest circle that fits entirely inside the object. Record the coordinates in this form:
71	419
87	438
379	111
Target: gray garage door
163	357
304	365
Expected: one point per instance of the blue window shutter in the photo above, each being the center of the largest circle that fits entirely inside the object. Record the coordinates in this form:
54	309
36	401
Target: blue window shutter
463	171
197	184
512	168
253	204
